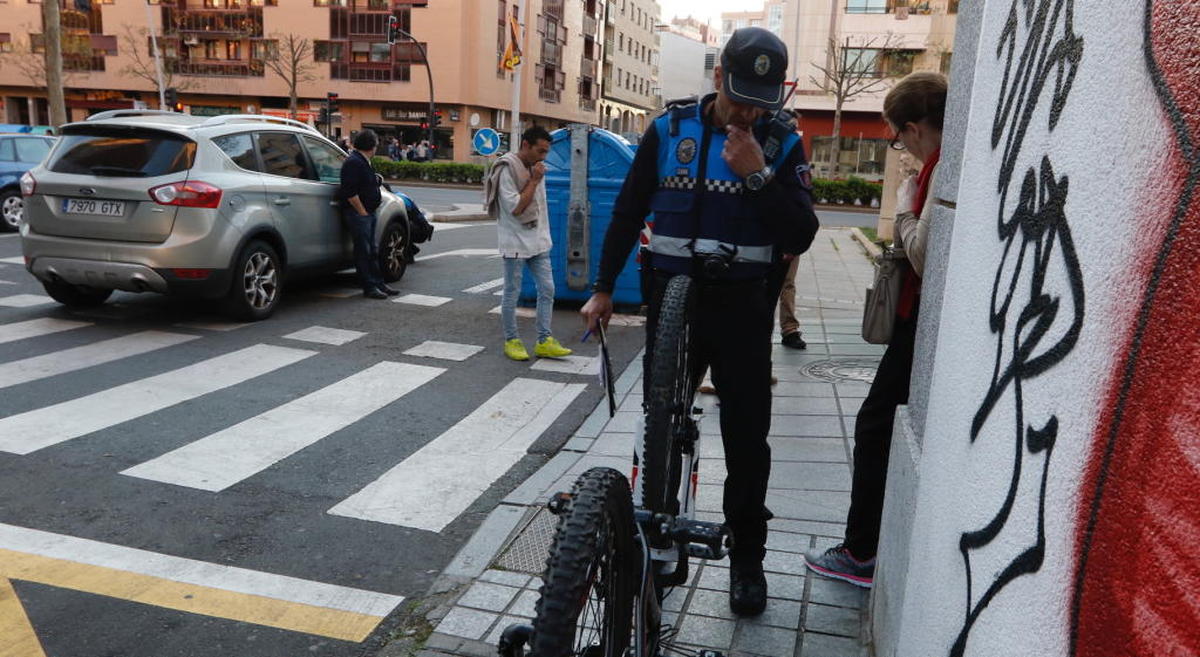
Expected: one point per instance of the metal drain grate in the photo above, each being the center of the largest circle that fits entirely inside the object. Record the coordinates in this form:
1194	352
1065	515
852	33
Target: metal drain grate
527	552
841	369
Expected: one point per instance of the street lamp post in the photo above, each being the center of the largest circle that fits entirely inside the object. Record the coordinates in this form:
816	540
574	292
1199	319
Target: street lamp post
428	72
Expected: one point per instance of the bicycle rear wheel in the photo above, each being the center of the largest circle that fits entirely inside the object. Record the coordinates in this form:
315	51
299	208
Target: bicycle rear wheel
592	574
668	398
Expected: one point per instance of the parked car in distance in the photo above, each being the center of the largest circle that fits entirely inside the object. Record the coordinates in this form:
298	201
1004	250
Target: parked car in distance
18	153
227	207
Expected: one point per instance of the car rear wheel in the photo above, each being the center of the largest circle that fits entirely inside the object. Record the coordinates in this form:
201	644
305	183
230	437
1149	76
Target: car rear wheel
12	206
257	283
76	296
393	251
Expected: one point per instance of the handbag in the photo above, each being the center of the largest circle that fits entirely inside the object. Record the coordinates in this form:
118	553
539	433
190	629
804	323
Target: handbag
879	311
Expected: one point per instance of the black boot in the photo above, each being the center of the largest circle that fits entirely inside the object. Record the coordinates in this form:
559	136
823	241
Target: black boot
747	589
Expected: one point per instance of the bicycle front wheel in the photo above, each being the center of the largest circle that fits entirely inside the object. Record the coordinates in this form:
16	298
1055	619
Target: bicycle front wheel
668	398
586	606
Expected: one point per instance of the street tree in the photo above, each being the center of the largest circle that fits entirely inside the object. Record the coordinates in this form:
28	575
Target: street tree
853	68
30	61
291	58
135	44
52	37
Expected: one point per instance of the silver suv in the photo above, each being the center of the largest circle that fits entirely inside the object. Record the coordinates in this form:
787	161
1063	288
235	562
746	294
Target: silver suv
227	207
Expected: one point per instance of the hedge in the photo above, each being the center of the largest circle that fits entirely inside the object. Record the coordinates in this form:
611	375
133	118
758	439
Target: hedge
833	192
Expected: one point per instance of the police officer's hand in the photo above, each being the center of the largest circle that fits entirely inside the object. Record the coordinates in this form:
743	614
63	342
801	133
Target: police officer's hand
599	308
538	171
742	152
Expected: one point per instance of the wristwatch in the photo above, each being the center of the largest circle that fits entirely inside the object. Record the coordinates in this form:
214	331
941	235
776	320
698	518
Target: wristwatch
759	179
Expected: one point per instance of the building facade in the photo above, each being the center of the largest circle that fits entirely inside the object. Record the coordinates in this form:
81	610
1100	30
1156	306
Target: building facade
630	93
878	41
217	54
682	53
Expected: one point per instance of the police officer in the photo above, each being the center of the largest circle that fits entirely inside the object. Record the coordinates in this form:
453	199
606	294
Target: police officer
723	211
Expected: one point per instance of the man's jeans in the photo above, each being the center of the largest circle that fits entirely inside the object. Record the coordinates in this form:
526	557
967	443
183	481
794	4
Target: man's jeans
366	255
539	265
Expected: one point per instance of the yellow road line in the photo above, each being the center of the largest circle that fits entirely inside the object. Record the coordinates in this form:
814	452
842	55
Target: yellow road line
160	592
18	637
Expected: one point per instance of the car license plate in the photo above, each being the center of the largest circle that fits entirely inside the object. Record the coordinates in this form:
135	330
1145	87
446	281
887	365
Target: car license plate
94	206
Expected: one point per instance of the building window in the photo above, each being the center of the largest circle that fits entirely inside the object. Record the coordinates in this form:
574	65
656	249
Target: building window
6	42
263	49
328	51
212	50
944	65
867	6
861	60
381	52
233	50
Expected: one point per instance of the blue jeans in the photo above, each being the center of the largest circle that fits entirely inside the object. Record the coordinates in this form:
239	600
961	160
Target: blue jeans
539	265
366	255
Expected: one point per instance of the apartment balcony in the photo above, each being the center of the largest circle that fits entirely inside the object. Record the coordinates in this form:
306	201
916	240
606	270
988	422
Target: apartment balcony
240	23
549	95
610	17
588	104
587	68
220	68
83	62
369	71
609	44
551	53
589	25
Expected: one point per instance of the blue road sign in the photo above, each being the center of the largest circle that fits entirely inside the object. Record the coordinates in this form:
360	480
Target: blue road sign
486	141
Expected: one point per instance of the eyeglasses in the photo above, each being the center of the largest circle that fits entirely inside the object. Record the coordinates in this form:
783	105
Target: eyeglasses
895	144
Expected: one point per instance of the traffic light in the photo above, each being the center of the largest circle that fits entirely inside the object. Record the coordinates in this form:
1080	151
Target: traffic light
393	34
331	103
437	119
171	98
424	126
323	116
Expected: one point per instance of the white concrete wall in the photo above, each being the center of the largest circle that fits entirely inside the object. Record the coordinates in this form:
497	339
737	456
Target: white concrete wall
1045	484
683	61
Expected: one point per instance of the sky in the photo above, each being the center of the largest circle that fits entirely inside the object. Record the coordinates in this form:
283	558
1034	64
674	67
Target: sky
702	9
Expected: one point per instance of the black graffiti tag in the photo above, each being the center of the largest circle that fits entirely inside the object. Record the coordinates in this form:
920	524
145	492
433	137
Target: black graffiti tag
1036	321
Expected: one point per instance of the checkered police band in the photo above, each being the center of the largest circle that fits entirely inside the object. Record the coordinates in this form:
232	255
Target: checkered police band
719	186
678	182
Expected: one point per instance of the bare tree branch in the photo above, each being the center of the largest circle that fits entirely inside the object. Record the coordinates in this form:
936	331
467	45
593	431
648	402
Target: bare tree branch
136	44
291	58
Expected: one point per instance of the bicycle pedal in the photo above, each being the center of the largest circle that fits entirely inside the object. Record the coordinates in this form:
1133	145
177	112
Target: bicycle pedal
704	540
558	503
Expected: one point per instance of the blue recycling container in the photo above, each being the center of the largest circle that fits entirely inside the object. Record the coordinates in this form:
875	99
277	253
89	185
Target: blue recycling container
609	160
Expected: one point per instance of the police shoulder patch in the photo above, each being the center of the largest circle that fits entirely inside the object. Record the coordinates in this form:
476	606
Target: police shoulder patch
685	152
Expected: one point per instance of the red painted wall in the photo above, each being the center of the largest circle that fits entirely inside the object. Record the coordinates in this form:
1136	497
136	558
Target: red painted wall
820	124
1136	580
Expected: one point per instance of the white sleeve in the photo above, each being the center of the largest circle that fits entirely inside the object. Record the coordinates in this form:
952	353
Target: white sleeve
508	195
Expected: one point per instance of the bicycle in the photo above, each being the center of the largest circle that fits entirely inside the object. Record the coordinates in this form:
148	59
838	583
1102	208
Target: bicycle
611	565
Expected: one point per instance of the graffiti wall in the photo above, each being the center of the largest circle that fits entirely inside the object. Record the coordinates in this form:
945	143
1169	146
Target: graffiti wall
1059	482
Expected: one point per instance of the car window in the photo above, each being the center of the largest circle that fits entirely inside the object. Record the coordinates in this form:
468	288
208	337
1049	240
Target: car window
122	151
240	149
326	159
8	152
281	154
32	150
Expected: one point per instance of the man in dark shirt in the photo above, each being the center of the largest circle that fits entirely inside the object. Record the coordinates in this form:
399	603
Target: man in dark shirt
360	198
718	198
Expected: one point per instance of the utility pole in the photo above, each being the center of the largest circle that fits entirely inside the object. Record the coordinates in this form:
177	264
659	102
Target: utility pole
158	71
394	34
52	37
514	138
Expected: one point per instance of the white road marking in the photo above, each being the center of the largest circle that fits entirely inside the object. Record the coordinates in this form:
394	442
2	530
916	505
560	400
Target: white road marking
422	300
37	327
43	427
200	573
457	252
222	459
453	225
485	286
444	350
568	365
16	260
431	488
7	283
88	355
325	335
25	300
212	326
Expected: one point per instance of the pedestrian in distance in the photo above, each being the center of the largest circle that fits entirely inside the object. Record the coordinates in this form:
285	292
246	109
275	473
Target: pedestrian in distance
913	110
360	199
515	194
789	326
723	211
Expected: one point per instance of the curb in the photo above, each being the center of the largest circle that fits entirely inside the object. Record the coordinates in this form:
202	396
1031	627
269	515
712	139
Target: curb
413	182
872	249
454	217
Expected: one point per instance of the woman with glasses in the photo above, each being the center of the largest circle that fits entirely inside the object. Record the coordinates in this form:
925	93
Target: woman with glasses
913	110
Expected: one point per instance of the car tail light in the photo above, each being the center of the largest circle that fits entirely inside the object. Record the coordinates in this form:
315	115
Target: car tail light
195	274
28	184
190	194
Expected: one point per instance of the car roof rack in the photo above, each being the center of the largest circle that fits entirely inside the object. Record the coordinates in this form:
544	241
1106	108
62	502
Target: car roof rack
112	114
256	118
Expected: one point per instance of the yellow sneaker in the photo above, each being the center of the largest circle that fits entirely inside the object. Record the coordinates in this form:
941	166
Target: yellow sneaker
515	349
550	348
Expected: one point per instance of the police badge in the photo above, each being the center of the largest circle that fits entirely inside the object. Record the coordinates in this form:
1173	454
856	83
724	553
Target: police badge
762	64
685	152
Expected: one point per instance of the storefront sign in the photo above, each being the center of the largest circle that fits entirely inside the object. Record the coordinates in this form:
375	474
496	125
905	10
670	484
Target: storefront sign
402	114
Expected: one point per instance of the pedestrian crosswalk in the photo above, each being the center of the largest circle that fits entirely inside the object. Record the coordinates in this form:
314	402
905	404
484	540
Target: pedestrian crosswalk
192	367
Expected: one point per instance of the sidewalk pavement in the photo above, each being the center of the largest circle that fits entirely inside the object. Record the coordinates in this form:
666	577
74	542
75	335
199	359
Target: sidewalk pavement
493	582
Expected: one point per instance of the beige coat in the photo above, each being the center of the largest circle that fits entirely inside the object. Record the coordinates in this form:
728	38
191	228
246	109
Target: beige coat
912	231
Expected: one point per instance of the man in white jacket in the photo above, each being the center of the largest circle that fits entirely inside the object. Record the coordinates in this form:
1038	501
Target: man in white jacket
516	194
